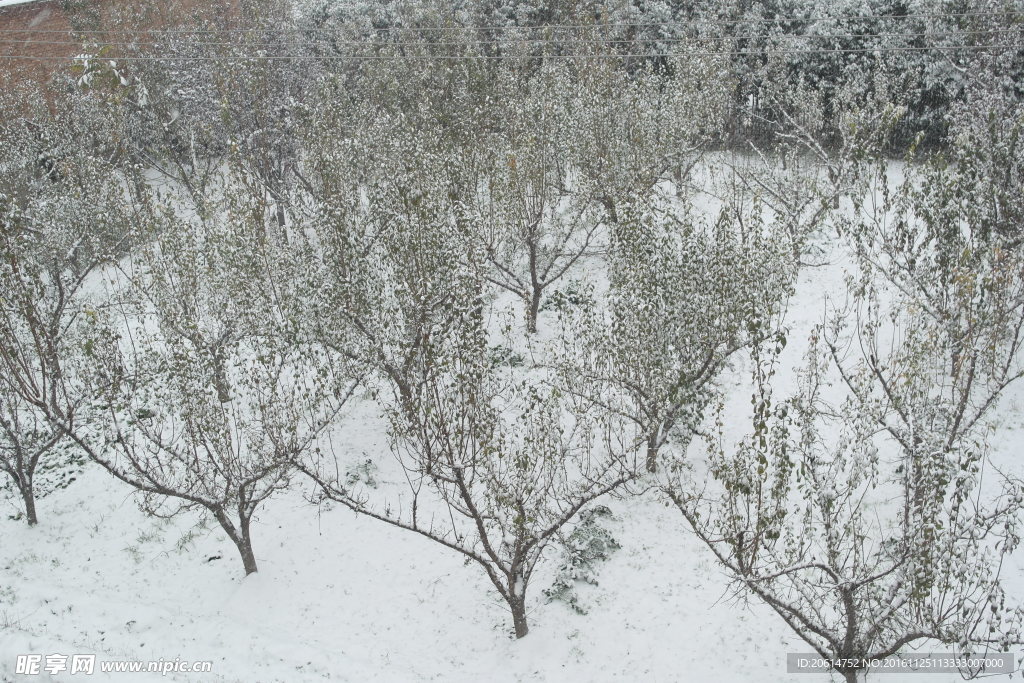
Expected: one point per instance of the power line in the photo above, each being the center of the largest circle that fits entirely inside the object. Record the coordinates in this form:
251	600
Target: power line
531	41
428	58
513	27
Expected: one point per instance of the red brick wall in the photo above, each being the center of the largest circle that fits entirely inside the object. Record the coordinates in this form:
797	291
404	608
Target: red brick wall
24	30
42	15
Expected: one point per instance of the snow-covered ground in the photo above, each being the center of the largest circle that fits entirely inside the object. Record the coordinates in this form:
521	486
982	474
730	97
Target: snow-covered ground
345	598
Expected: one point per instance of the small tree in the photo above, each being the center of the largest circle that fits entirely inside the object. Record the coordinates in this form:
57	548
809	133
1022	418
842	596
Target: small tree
683	297
580	139
387	245
61	217
864	544
496	467
533	223
798	162
206	389
869	521
635	127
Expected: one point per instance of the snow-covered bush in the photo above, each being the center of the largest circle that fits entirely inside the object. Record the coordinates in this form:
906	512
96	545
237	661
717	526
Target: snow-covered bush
589	544
364	473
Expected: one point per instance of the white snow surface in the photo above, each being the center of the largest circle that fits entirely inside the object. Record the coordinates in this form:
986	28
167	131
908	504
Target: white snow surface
341	597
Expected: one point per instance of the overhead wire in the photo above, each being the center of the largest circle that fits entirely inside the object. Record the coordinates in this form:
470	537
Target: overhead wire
516	27
605	55
532	41
631	43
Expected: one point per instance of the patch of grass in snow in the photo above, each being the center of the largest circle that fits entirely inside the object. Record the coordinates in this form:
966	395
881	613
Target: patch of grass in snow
590	544
364	473
505	356
576	294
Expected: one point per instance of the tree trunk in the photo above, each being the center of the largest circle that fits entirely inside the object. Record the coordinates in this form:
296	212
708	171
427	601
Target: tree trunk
280	217
28	495
518	605
282	221
855	675
240	537
532	311
652	453
609	205
516	597
248	558
220	376
245	548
